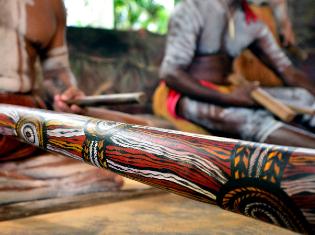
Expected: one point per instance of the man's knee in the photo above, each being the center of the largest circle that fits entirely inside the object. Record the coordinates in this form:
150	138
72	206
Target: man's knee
259	126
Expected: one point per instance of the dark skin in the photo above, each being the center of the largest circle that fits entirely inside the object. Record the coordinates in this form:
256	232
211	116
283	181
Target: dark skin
291	75
46	31
295	77
46	23
181	81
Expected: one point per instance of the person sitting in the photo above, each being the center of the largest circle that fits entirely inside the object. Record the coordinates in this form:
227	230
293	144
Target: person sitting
31	30
204	38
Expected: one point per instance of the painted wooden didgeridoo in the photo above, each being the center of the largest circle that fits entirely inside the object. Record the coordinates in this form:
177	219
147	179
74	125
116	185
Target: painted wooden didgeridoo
271	183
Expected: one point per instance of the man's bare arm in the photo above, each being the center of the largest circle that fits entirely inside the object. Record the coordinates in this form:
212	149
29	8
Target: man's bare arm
281	13
180	81
268	51
184	28
59	81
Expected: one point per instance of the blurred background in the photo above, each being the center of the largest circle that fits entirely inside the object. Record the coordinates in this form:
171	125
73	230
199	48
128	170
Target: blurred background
120	15
117	45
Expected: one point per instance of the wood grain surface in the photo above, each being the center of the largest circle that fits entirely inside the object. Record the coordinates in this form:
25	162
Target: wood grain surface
163	214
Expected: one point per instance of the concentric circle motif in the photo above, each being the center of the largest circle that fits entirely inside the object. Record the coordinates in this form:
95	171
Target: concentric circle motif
264	201
31	131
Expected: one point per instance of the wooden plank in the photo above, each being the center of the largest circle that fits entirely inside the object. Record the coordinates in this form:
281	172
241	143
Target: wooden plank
164	214
50	176
25	209
110	99
49	183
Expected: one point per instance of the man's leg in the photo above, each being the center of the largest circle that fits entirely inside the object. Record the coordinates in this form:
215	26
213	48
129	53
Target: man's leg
292	136
248	124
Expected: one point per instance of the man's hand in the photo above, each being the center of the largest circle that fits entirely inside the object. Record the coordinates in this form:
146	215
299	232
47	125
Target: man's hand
241	95
295	77
60	104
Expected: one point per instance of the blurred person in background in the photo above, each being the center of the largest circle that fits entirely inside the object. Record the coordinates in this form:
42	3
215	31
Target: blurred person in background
204	38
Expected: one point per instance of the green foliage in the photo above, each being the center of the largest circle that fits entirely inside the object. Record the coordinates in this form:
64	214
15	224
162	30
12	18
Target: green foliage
141	14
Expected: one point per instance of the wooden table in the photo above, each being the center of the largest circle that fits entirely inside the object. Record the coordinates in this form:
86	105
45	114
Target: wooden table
151	214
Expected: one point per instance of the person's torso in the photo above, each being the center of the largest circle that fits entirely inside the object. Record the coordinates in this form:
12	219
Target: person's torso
26	26
215	36
217	44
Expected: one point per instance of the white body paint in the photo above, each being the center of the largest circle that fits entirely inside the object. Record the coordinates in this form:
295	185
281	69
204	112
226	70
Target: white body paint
14	73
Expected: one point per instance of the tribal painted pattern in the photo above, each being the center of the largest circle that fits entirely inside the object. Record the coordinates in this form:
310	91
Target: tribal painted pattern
271	183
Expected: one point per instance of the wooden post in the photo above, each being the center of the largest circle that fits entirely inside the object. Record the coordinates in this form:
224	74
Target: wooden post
271	183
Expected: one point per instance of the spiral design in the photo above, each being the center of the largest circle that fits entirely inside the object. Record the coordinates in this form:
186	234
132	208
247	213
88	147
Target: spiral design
31	131
264	201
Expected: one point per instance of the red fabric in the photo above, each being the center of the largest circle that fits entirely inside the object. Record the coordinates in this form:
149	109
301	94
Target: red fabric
12	149
174	97
172	101
250	16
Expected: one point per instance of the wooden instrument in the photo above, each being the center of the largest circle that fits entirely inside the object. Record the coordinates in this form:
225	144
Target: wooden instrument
275	184
111	99
116	116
